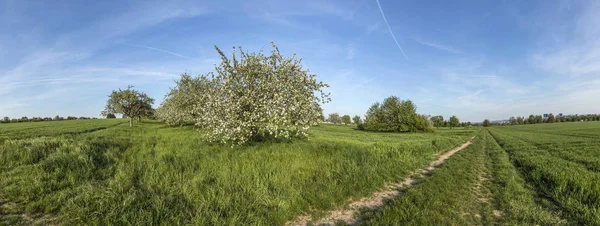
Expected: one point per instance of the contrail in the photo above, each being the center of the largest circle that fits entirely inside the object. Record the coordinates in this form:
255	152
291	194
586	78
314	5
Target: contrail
161	50
389	28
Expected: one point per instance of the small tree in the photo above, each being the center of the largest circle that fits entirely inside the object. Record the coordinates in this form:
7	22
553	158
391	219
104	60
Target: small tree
486	123
130	102
334	118
438	121
550	118
356	119
539	119
185	102
24	119
6	119
454	122
512	120
346	119
520	120
110	116
531	119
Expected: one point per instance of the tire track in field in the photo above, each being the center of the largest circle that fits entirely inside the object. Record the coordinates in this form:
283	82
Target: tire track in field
350	214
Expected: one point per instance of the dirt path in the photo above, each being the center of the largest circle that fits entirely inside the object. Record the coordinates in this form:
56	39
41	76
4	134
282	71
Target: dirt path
349	215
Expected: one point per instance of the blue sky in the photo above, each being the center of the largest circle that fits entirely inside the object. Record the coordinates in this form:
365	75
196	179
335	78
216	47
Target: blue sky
474	59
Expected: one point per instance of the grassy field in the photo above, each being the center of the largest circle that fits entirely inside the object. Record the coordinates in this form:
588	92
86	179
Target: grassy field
561	162
102	172
38	129
477	186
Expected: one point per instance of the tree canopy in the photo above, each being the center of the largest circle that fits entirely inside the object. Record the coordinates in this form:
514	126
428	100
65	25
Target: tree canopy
454	122
395	115
334	118
486	123
346	119
356	119
129	102
250	97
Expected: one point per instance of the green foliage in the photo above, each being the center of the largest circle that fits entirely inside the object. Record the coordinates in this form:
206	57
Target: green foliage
454	122
346	119
486	123
539	119
334	118
356	120
438	121
512	120
157	175
520	120
550	118
395	115
130	102
531	119
185	102
110	116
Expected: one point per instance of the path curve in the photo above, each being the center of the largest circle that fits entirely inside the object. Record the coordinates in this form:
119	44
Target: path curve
349	215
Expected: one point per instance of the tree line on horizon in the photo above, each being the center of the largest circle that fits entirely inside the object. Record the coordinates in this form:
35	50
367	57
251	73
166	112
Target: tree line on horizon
395	115
7	119
539	119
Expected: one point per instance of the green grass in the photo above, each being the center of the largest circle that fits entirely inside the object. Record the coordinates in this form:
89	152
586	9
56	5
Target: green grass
448	197
561	163
50	128
466	190
101	173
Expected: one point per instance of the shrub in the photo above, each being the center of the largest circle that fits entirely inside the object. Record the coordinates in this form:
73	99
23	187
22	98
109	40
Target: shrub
395	115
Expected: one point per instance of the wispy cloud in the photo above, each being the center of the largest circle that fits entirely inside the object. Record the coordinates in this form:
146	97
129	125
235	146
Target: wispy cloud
390	29
579	53
438	46
160	50
471	95
350	52
374	27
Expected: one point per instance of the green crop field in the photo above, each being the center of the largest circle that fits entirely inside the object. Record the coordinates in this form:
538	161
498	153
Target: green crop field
561	162
103	172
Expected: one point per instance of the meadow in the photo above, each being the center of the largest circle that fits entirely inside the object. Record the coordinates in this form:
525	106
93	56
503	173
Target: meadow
542	174
102	172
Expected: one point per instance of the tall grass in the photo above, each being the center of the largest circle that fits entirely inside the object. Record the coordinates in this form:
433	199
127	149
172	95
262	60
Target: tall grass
515	202
476	186
54	128
449	197
152	174
569	182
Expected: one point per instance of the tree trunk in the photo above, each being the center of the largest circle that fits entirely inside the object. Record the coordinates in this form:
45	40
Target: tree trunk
130	122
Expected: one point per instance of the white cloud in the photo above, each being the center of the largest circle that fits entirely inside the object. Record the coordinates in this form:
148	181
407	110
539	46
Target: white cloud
580	53
438	46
